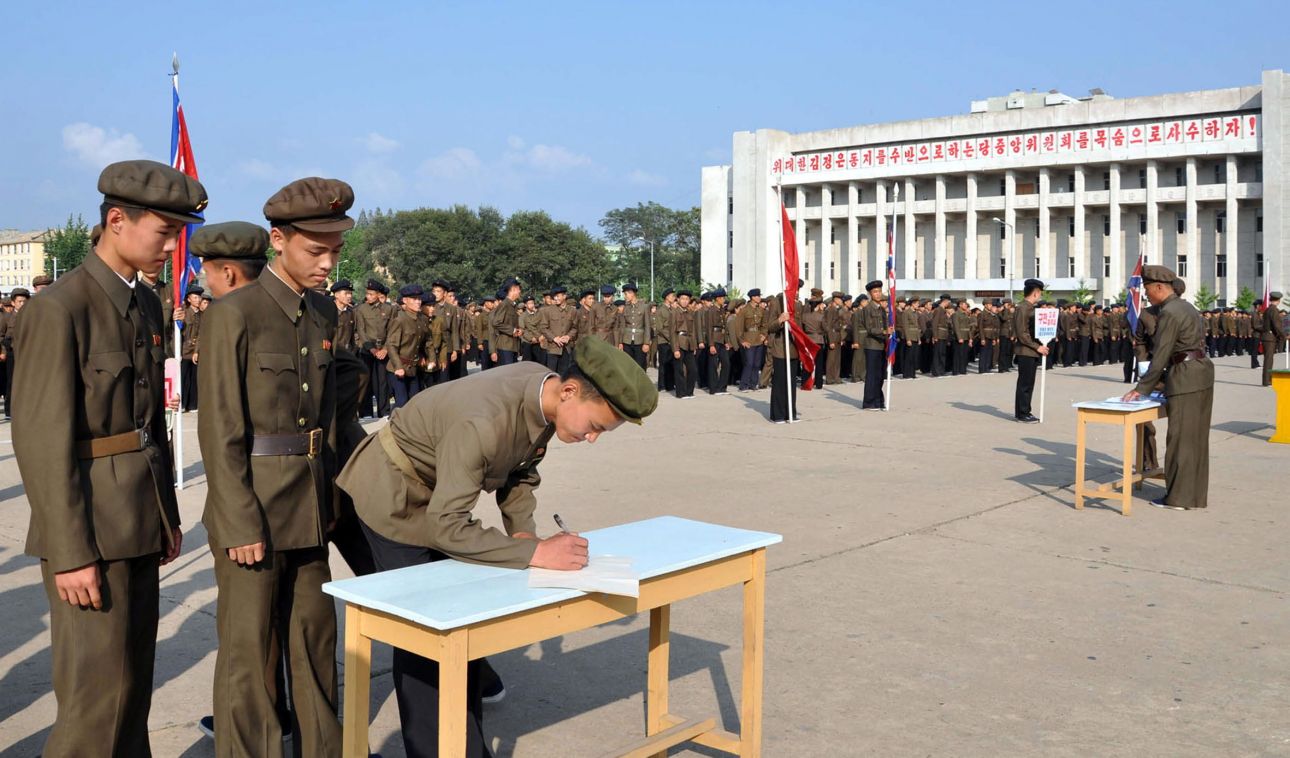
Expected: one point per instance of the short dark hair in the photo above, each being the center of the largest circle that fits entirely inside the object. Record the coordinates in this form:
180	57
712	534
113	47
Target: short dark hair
287	229
1031	288
251	268
130	211
586	389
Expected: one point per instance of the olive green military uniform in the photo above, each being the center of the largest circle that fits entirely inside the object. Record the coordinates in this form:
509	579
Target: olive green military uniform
635	330
835	328
268	436
988	327
1142	346
961	331
604	321
371	325
1179	359
89	435
1272	336
503	323
558	321
908	323
531	339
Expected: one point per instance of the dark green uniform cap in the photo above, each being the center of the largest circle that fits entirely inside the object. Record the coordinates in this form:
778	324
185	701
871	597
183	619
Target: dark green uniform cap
1157	274
155	187
619	380
231	239
313	204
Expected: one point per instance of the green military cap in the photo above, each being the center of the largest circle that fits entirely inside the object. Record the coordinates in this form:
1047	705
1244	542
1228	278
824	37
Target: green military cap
1158	274
43	280
155	187
621	382
313	204
1274	296
231	239
19	292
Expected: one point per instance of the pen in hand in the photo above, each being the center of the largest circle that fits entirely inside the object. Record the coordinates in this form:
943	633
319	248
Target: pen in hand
560	523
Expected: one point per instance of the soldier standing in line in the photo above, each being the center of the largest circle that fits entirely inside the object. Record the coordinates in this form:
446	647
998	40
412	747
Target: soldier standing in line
1007	335
405	341
504	325
435	347
89	438
961	333
941	335
750	331
876	331
635	330
683	339
603	316
558	325
531	339
484	331
190	332
268	435
661	323
371	322
342	294
718	339
781	351
835	327
451	315
911	335
1029	351
855	337
988	327
1273	334
1179	346
812	321
8	342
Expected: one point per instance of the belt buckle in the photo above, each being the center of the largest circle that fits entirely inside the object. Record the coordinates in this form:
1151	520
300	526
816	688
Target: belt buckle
315	443
145	439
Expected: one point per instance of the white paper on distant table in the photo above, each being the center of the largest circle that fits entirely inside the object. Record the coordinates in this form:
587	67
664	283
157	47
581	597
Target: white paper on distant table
603	573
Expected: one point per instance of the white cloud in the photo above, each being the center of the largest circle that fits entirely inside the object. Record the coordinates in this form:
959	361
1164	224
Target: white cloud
515	143
379	143
375	178
555	158
455	163
97	147
645	179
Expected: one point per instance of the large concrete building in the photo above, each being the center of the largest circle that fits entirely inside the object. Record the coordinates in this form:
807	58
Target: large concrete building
22	257
1071	190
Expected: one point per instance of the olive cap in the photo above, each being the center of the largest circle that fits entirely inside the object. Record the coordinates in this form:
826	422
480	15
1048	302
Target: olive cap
155	187
1158	274
622	383
313	204
231	239
874	285
42	280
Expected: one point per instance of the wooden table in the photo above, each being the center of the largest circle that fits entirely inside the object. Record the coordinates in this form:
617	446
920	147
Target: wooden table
454	612
1131	420
1281	385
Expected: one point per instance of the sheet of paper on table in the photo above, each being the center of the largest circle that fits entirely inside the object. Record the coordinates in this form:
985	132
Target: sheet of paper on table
1116	404
610	574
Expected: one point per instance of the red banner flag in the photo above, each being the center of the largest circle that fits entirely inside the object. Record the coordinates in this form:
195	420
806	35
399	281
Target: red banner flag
806	349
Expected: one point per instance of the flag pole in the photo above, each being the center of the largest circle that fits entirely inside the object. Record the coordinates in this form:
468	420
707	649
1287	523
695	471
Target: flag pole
179	353
891	257
788	337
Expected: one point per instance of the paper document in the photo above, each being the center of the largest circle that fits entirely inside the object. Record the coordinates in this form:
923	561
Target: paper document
603	573
1116	404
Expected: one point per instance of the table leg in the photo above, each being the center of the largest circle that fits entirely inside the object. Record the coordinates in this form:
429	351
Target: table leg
1126	503
1079	459
660	646
452	695
1139	435
358	682
754	640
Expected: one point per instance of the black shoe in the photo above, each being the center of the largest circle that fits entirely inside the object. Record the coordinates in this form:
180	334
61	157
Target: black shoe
206	725
1029	418
495	692
1160	503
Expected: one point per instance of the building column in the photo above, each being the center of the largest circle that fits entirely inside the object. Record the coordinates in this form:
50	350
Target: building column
852	253
1231	238
1152	249
1111	286
1077	248
1191	247
911	231
1010	245
880	216
799	231
969	232
1046	266
824	254
940	267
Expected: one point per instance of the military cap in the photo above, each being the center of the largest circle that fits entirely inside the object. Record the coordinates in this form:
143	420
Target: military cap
231	239
510	282
1032	284
1180	286
208	297
861	298
1097	307
754	292
838	293
668	291
411	290
559	290
734	304
1158	274
194	289
630	286
946	297
607	289
589	292
19	292
1274	296
377	286
43	280
685	293
719	292
96	234
997	302
813	302
913	299
488	299
155	187
875	284
706	297
342	284
526	299
617	378
441	284
428	299
313	204
620	303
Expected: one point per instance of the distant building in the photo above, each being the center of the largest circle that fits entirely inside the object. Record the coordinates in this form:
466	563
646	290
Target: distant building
22	257
1199	181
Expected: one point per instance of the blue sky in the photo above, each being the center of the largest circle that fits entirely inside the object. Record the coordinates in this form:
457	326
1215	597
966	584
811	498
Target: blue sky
574	108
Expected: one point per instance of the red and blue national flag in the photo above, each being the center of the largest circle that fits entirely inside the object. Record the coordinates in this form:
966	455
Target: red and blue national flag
1135	296
891	295
184	267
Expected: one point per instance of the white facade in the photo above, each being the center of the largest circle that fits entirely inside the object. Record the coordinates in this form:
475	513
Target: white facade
1198	181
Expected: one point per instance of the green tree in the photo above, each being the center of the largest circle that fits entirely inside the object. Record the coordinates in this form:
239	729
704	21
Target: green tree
67	245
674	235
1245	300
1204	298
1083	294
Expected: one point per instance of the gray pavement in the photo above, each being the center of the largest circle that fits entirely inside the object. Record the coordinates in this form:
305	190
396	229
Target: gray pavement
935	595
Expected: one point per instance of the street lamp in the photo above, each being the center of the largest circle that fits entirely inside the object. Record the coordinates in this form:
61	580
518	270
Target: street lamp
651	265
1012	248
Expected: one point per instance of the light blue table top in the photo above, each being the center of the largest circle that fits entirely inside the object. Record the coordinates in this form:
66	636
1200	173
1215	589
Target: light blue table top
452	594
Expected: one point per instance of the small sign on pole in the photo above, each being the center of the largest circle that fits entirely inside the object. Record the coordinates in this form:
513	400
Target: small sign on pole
1045	332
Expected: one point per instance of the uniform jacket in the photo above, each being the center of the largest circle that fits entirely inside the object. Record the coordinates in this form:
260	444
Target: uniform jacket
1023	326
406	339
371	321
558	321
502	323
1179	328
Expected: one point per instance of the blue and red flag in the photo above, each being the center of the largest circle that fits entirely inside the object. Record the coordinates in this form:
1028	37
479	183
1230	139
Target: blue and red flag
891	295
184	267
1135	296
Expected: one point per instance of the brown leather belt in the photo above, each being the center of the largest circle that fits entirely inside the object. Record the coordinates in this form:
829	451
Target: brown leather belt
308	443
1186	355
125	442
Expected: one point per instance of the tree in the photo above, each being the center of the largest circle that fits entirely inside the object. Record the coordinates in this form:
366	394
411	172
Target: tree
1204	298
1083	295
675	237
1245	300
68	245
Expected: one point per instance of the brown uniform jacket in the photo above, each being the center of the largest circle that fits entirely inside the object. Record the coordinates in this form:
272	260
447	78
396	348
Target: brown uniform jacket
558	321
100	373
1023	325
989	325
191	332
813	325
752	325
267	370
908	323
1179	329
483	433
371	321
873	321
961	325
345	334
1274	329
603	319
502	323
634	327
940	324
406	341
682	334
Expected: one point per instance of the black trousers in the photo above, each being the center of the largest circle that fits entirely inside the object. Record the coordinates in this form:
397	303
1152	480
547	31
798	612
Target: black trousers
1128	368
754	357
405	387
188	378
457	369
11	357
1026	366
666	379
485	358
909	364
1084	344
985	359
378	385
821	363
938	358
701	362
1005	355
718	370
506	357
961	350
638	354
875	373
781	384
685	373
558	363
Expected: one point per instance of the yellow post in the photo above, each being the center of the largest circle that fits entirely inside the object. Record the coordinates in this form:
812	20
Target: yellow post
1281	385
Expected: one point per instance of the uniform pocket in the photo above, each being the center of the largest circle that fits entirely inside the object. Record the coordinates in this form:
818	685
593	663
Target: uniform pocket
112	363
275	362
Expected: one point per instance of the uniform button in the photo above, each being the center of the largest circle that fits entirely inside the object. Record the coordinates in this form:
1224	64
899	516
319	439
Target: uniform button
138	343
300	422
304	351
143	382
304	387
299	314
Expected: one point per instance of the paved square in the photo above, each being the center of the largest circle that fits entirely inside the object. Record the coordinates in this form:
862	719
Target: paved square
936	593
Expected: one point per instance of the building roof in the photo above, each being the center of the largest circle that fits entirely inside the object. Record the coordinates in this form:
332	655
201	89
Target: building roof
8	236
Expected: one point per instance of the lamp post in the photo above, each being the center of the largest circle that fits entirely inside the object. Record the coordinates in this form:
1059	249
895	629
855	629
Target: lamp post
1012	248
651	265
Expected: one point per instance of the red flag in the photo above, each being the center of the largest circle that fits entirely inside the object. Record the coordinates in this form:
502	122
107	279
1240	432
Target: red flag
806	349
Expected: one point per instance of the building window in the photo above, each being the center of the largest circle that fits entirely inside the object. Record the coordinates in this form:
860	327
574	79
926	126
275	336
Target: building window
1106	180
1070	183
1182	265
1036	227
730	205
1258	223
1179	177
1218	173
1220	222
859	194
1106	265
1037	271
1258	265
1220	266
832	271
1142	223
1106	226
1182	222
806	273
1070	226
1142	178
1003	231
859	269
1003	268
1070	267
